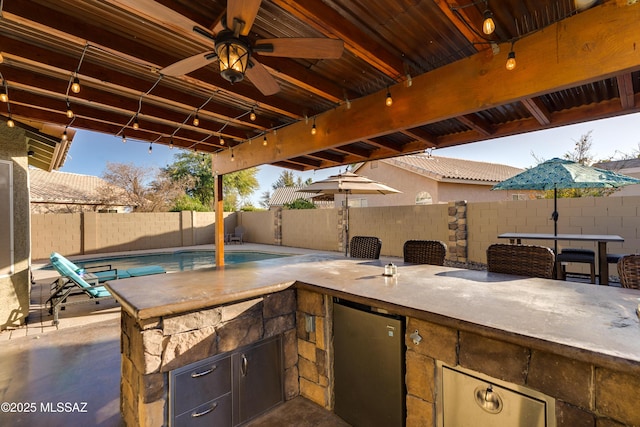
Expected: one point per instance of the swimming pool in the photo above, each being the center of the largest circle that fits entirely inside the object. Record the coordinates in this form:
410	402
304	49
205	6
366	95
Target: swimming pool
176	261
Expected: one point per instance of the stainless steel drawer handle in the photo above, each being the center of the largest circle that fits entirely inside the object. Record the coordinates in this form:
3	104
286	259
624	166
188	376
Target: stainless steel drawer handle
203	373
243	367
205	412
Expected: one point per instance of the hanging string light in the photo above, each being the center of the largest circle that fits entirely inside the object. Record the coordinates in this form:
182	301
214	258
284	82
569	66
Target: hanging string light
388	101
10	122
264	140
75	86
511	59
252	115
488	25
196	120
171	143
150	147
136	124
124	138
314	130
69	110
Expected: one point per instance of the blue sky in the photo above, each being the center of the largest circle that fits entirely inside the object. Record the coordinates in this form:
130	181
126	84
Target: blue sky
90	151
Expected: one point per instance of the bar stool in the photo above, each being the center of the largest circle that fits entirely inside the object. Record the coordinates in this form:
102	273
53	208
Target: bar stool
586	256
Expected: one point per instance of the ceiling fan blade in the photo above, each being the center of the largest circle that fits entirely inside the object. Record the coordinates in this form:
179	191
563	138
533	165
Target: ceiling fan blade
242	10
312	48
188	65
262	79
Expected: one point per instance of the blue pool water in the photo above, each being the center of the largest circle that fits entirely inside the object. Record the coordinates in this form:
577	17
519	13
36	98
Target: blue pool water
176	261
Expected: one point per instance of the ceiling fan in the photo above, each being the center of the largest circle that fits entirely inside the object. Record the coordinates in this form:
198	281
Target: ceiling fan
235	52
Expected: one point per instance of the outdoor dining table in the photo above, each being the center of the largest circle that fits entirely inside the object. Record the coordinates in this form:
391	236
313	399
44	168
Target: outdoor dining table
602	239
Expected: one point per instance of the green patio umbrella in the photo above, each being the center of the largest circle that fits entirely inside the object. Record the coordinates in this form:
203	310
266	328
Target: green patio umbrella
557	174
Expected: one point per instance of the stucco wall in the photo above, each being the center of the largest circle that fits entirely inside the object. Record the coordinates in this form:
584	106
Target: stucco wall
311	228
15	288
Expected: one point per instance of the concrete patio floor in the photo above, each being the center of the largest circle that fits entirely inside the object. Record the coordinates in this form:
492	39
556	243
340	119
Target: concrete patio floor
69	374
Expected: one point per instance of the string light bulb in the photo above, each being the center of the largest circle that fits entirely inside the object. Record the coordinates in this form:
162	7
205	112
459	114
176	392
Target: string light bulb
136	124
10	123
221	140
488	25
65	137
150	147
511	61
69	111
252	115
389	101
196	120
75	86
314	130
233	159
171	143
124	138
3	94
264	141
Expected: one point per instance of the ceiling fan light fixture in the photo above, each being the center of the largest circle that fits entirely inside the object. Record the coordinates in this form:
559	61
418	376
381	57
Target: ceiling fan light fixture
233	55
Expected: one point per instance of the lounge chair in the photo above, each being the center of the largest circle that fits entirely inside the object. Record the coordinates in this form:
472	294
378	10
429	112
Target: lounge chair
76	281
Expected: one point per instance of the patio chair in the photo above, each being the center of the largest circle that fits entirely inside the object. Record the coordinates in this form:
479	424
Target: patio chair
74	280
521	260
424	252
365	247
236	237
71	283
586	256
629	271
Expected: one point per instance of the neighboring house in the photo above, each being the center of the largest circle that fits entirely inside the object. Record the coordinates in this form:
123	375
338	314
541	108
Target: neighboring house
62	192
284	195
427	179
629	167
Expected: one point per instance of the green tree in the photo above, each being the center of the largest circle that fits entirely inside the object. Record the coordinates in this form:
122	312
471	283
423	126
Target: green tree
289	179
300	204
237	187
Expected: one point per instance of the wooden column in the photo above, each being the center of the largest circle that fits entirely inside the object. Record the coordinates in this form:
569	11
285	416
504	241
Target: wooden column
219	207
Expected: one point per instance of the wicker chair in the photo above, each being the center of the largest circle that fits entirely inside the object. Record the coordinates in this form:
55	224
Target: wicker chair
365	247
424	252
629	271
521	260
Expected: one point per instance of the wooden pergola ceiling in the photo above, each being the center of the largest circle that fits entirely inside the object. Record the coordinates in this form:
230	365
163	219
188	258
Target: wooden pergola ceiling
447	79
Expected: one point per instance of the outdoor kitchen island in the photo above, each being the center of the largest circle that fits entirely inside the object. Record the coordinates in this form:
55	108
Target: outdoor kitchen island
577	344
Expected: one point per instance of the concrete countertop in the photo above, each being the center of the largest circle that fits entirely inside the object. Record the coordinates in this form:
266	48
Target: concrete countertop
565	317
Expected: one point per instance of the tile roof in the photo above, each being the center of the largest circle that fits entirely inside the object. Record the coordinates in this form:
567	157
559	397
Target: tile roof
64	187
617	165
446	169
284	195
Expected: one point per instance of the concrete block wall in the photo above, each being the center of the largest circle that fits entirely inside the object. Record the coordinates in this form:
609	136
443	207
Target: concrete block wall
311	228
58	232
259	226
397	224
588	215
586	394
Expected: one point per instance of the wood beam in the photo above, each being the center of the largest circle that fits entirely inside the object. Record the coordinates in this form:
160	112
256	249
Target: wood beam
625	90
329	22
474	122
538	110
593	45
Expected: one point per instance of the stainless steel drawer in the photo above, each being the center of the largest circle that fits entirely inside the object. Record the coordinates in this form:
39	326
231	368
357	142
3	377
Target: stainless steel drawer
475	400
213	413
199	383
